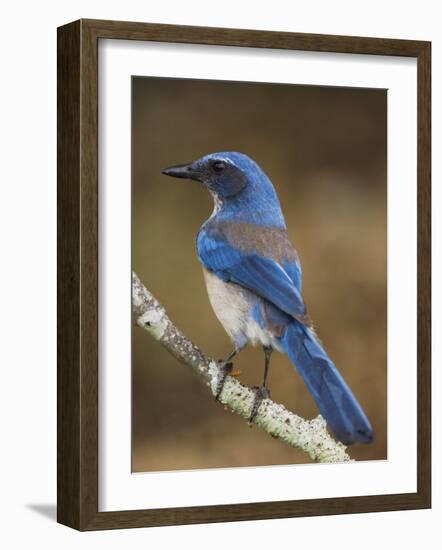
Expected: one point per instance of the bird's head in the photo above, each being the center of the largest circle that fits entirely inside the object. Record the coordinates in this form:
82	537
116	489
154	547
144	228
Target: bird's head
224	174
241	189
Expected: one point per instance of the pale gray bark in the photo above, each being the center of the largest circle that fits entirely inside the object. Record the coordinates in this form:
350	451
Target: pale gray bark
310	436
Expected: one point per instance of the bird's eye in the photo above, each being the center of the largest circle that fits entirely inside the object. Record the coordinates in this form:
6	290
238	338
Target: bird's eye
218	166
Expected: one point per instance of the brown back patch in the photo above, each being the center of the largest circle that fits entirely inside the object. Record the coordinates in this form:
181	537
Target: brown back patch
271	242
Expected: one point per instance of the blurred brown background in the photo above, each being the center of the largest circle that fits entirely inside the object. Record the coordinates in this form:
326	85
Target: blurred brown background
324	149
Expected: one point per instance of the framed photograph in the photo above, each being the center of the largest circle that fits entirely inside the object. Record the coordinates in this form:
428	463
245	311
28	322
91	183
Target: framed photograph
243	227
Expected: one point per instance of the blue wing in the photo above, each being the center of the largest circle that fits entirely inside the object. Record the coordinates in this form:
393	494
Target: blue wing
260	274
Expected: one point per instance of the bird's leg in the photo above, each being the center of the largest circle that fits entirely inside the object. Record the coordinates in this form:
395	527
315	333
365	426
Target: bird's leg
261	392
267	354
225	366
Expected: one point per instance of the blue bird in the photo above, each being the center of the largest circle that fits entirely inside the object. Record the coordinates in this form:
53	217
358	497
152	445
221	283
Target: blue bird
253	278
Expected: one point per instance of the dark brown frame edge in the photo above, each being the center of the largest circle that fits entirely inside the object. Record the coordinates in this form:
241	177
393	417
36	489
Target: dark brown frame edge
77	224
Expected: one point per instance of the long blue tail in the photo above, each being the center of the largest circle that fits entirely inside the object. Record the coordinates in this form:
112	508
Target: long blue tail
335	401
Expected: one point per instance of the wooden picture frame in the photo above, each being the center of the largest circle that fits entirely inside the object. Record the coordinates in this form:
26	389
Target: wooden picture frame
78	274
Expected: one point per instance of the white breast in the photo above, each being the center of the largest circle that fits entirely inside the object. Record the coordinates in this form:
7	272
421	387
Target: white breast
229	303
232	305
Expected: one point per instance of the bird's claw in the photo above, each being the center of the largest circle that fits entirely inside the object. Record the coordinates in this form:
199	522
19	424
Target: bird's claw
225	370
261	393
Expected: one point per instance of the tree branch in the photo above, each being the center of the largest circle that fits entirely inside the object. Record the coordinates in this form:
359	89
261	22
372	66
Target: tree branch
309	436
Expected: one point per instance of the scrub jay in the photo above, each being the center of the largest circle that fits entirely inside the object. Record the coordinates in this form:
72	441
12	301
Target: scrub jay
253	278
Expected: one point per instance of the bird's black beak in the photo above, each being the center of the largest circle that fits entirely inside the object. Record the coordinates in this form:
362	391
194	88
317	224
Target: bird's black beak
186	171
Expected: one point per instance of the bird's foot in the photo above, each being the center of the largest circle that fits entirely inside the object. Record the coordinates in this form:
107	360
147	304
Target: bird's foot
225	370
261	393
